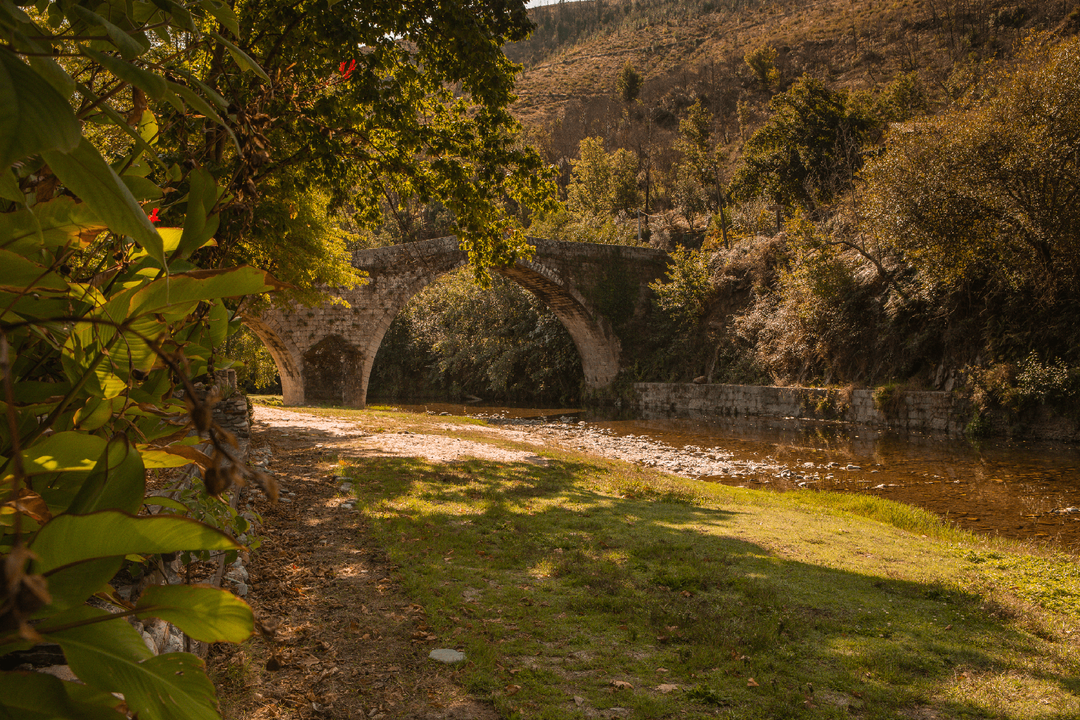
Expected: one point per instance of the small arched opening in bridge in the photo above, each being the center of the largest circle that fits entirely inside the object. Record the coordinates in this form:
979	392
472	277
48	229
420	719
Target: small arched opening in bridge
325	354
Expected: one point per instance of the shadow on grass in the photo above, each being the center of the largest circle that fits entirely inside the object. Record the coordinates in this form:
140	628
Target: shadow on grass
556	583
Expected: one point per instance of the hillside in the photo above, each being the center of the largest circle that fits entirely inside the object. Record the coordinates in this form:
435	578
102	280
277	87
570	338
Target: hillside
687	48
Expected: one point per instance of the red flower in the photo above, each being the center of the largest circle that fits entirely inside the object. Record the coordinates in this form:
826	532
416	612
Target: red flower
346	71
154	215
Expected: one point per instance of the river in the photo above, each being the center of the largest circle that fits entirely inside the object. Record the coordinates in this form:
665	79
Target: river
1023	490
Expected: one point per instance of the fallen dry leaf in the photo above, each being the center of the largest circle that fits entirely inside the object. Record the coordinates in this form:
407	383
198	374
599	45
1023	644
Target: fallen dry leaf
512	689
666	688
621	685
578	700
751	683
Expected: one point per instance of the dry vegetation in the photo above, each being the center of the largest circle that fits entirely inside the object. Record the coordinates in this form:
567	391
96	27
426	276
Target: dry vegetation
697	46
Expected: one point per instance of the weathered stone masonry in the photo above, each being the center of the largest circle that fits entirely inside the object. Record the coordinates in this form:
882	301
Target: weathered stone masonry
933	412
324	354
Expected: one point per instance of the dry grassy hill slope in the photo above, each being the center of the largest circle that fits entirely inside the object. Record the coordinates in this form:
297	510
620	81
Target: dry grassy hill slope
579	48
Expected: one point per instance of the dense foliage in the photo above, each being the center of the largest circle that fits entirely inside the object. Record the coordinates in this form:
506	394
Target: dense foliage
809	149
953	256
456	338
991	187
832	256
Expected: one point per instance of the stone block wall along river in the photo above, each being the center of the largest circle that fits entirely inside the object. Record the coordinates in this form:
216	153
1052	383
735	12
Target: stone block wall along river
916	411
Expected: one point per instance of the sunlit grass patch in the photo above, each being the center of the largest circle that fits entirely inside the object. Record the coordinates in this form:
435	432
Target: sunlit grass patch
1013	694
589	585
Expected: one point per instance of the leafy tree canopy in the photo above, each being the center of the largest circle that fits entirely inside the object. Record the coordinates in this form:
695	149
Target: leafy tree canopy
992	187
808	150
603	183
629	83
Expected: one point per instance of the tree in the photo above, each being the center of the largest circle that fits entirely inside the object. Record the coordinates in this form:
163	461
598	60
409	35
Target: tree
809	149
369	103
603	183
992	187
762	62
629	84
699	165
683	296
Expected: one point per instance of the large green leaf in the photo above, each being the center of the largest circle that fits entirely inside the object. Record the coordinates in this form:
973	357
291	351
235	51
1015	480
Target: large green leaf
33	696
18	274
200	286
71	586
37	696
143	189
128	46
86	173
223	13
241	58
112	656
203	612
116	483
49	224
68	539
151	83
63	452
138	354
197	103
211	94
180	14
9	188
156	459
53	74
32	391
34	117
219	324
202	196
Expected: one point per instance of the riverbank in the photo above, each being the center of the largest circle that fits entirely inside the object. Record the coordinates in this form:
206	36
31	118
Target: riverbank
578	586
1027	491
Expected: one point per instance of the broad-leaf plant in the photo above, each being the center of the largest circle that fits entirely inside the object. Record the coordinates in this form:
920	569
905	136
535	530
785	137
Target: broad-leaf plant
146	148
104	321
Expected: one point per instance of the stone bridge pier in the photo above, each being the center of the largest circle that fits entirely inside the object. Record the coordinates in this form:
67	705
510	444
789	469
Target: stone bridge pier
324	354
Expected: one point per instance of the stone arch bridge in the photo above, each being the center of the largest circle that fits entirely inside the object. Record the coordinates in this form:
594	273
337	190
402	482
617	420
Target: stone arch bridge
324	354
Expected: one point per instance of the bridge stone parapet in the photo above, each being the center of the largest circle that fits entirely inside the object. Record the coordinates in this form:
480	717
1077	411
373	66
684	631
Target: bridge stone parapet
324	354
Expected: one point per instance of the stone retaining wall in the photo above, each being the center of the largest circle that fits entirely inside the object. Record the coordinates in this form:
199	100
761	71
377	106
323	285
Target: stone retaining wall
905	410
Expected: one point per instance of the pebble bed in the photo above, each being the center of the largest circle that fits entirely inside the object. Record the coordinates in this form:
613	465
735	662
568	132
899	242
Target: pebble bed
689	461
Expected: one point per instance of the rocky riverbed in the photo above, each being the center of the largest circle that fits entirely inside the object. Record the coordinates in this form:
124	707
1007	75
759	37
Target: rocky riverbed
689	461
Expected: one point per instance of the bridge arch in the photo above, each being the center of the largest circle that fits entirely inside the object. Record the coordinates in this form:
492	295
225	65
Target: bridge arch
324	354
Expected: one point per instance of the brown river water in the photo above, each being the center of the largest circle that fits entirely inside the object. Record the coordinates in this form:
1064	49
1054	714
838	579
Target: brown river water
1023	490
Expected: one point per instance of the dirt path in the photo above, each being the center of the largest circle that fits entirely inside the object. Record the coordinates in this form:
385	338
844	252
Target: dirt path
342	640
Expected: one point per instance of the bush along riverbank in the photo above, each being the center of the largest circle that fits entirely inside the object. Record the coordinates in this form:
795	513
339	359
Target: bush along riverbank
579	586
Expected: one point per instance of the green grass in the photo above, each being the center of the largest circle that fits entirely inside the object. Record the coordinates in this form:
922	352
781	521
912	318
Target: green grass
561	582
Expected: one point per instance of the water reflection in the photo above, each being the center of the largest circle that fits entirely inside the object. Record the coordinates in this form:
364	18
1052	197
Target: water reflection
1027	490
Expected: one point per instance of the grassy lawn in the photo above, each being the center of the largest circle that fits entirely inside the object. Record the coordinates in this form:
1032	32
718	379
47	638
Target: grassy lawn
593	588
